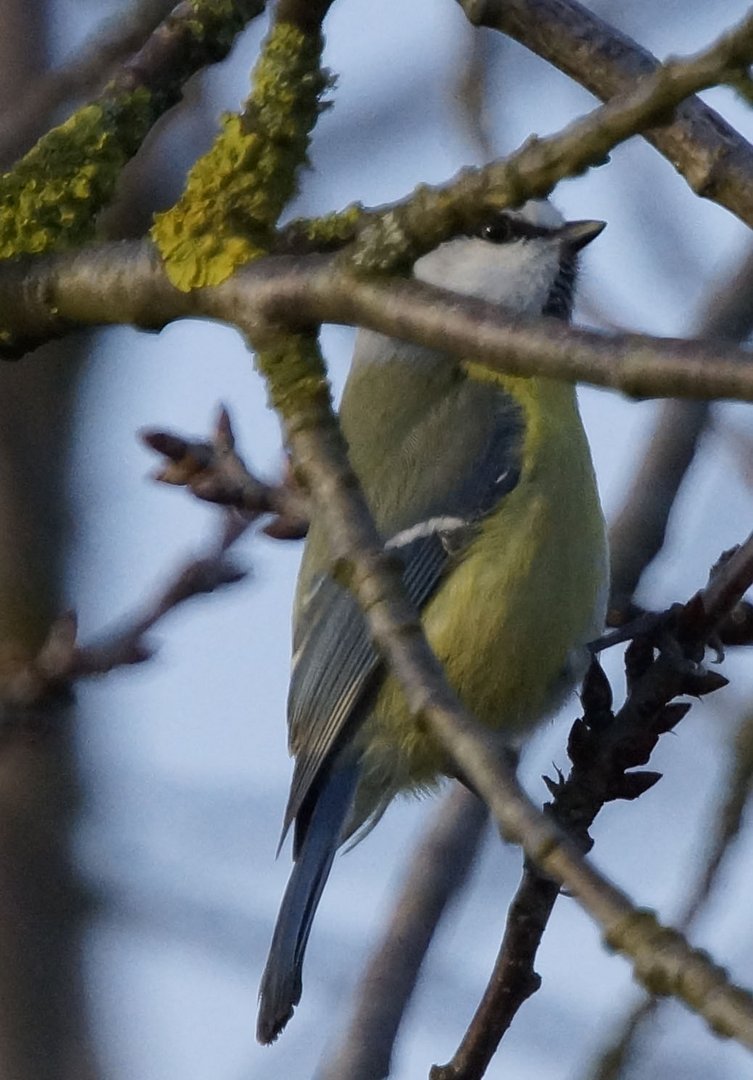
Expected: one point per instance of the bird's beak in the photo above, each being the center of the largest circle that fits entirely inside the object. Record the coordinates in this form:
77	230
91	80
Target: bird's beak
576	234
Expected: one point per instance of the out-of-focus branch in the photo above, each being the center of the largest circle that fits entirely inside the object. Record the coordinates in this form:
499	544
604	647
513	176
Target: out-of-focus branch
716	160
469	95
438	869
629	1036
27	682
24	54
636	538
637	534
82	73
215	473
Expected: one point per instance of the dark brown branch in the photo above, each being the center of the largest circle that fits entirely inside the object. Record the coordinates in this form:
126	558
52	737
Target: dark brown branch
662	959
512	982
607	751
716	160
215	473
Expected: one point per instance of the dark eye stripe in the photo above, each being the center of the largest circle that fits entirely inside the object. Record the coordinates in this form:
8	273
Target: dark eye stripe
504	228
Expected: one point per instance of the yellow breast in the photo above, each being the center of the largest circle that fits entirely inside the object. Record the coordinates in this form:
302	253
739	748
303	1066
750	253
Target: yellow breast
509	622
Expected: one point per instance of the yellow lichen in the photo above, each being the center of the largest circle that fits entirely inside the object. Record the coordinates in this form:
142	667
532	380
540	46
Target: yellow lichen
329	231
50	200
235	193
296	377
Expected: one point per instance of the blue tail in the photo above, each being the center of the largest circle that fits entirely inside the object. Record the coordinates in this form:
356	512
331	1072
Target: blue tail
281	985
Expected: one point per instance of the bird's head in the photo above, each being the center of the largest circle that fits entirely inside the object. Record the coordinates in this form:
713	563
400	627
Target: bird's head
525	260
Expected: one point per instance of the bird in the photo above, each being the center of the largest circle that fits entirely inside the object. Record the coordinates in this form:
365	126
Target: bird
482	485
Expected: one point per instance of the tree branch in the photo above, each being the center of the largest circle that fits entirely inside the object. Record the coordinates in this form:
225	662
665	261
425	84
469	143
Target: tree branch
606	751
395	236
215	473
115	39
26	682
637	534
124	283
715	160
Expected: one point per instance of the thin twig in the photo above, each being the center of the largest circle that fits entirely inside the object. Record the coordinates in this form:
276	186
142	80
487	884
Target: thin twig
214	472
607	751
30	681
401	232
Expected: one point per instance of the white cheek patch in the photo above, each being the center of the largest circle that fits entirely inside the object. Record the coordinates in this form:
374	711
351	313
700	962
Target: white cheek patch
517	275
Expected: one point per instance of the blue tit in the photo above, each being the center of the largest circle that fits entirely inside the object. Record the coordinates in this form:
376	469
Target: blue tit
482	484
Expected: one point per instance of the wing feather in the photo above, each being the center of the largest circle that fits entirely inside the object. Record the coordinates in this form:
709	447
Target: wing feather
335	666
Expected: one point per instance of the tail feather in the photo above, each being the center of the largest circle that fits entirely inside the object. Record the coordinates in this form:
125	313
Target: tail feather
281	983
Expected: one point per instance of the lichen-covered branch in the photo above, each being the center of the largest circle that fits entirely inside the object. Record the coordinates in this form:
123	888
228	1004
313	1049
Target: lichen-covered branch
50	200
716	160
238	189
80	75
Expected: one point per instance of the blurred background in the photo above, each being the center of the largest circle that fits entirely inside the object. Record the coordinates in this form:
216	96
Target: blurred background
138	881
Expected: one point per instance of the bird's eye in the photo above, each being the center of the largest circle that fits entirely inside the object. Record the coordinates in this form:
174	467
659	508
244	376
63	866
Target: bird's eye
499	231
